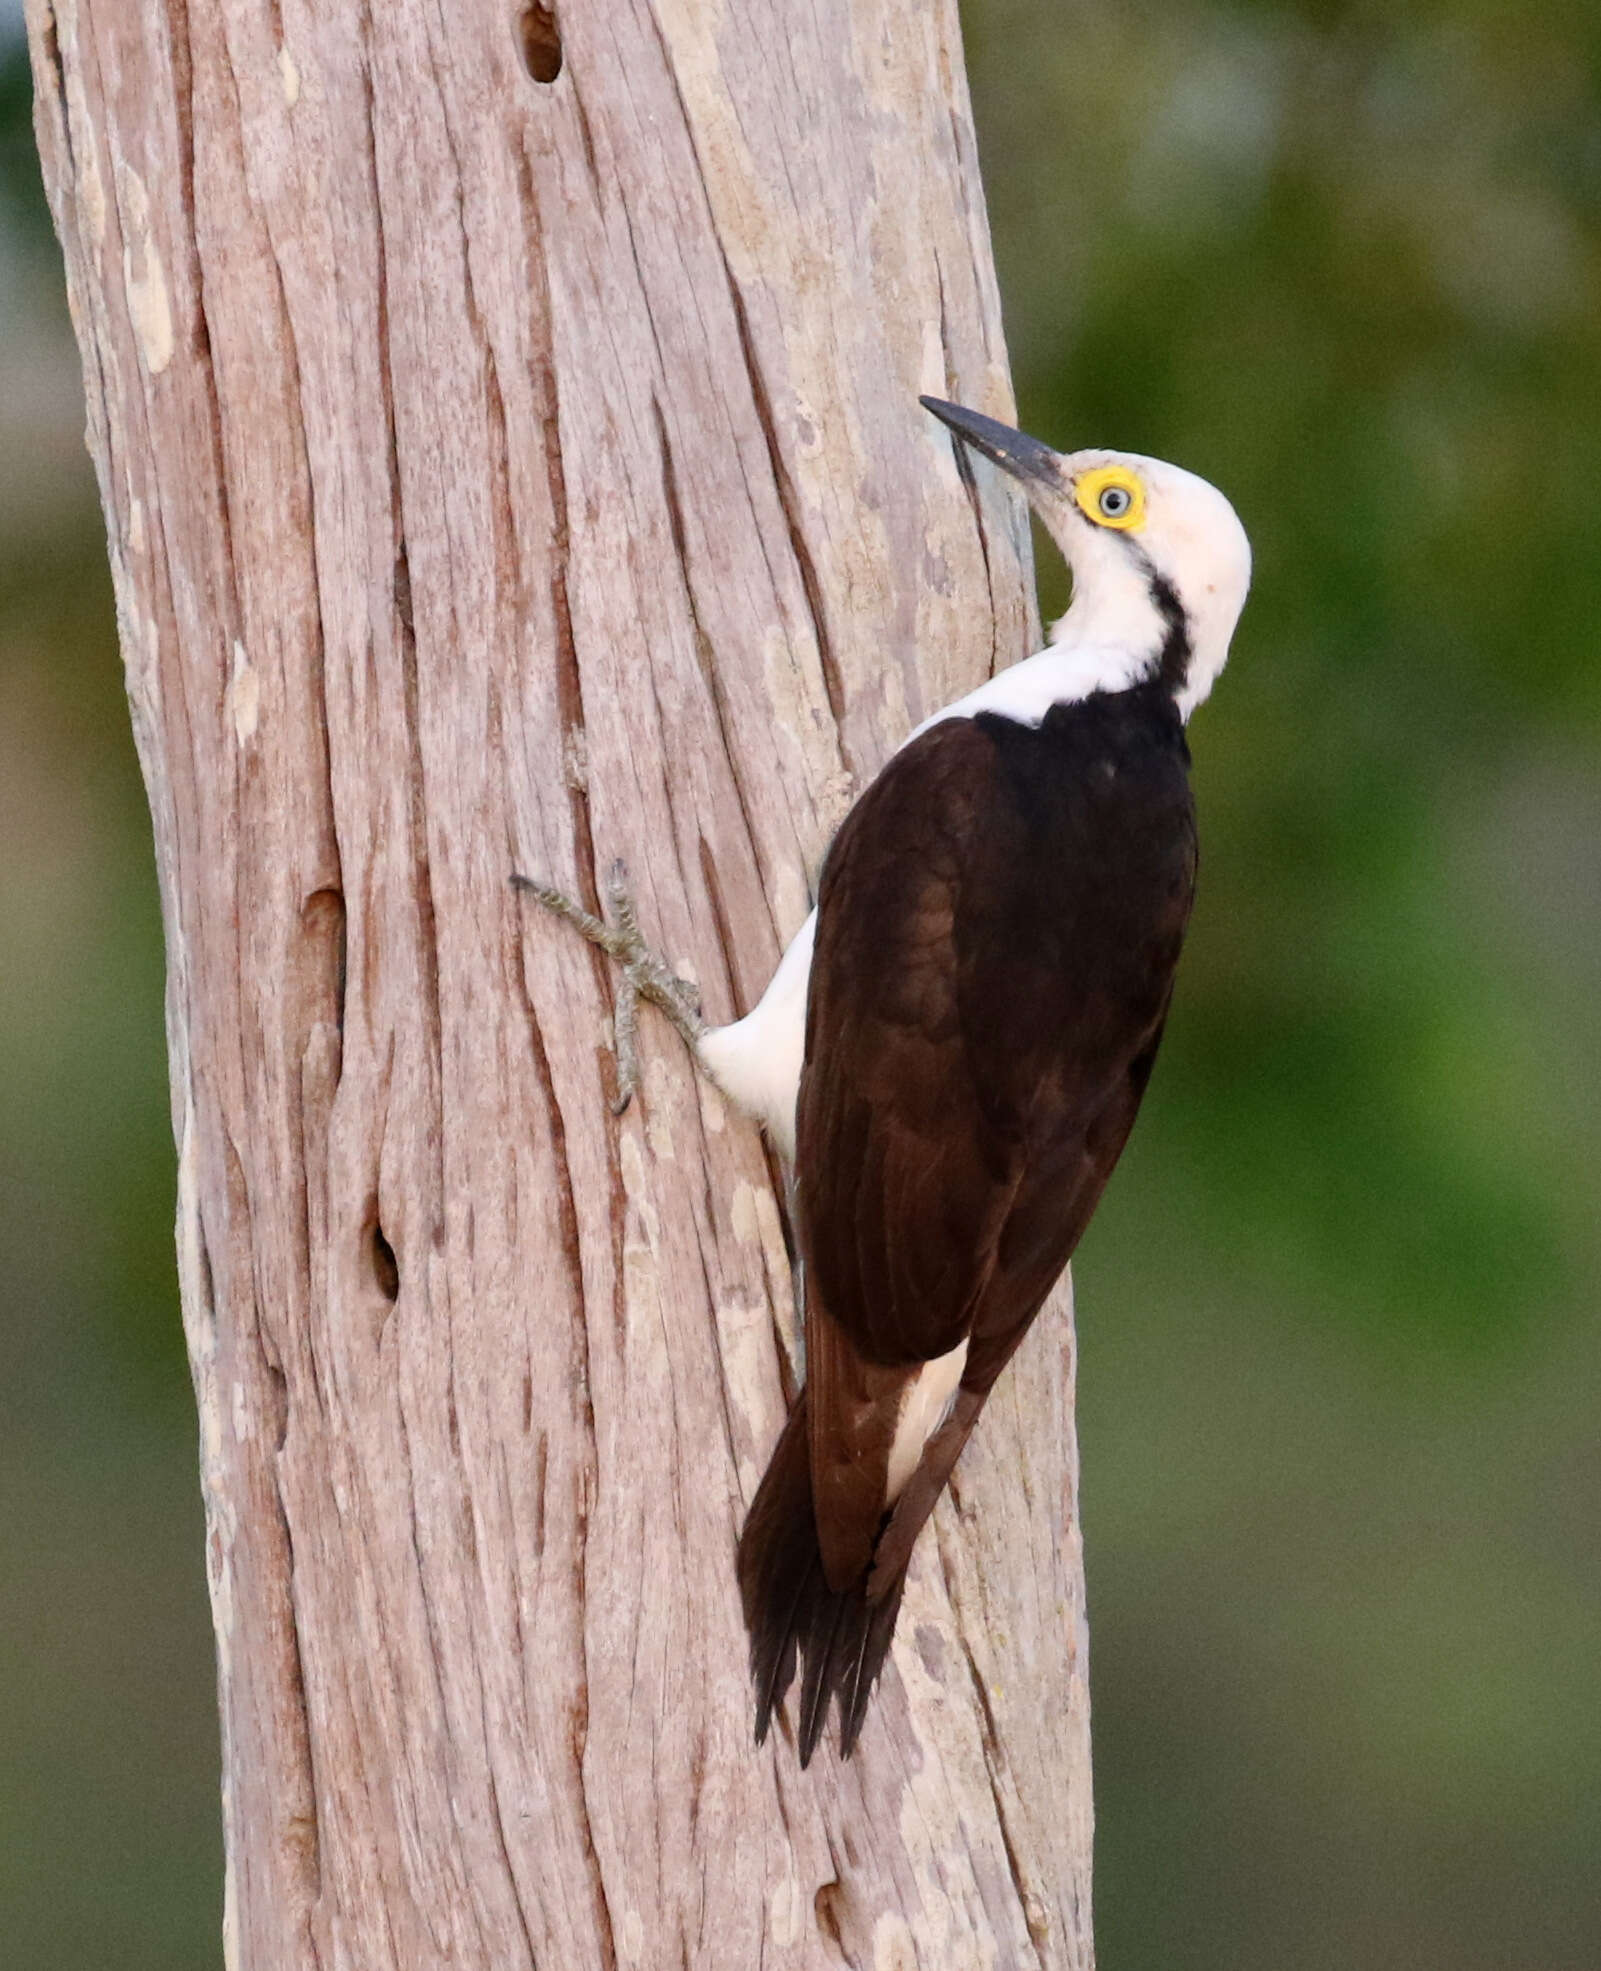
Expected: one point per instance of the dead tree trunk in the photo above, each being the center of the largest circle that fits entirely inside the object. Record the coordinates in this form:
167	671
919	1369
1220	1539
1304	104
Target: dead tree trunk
507	429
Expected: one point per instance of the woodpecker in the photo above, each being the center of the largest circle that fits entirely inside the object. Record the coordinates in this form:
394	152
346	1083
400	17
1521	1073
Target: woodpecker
954	1046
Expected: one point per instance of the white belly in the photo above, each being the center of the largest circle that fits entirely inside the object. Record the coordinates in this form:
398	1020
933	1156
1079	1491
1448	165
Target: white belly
757	1060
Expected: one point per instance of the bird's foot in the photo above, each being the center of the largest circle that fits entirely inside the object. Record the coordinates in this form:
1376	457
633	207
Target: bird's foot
644	973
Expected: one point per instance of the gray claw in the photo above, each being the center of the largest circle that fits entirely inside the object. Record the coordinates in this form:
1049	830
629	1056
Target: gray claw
645	975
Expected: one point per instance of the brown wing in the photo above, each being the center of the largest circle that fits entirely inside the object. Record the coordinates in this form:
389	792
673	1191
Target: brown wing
998	924
904	1179
902	1190
1039	1239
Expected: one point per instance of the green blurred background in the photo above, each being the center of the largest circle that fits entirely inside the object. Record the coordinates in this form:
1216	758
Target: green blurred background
1341	1401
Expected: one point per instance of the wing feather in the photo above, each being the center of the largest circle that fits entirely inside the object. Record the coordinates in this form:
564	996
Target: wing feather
998	923
904	1182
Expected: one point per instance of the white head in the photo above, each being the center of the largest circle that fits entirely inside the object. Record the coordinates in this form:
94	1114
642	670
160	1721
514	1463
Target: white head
1160	561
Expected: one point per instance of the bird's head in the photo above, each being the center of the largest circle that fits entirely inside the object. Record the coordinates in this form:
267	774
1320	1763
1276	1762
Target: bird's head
1160	561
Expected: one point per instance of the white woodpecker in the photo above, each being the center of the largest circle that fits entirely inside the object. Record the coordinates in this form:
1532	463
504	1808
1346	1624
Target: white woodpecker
954	1046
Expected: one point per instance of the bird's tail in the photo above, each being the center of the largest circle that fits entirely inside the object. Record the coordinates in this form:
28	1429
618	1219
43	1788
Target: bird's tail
841	1639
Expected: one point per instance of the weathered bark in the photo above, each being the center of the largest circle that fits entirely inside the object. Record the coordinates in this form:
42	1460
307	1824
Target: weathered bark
513	472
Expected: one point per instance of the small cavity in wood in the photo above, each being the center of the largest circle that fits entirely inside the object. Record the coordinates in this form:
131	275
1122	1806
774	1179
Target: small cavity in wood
323	918
828	1906
58	77
540	40
385	1267
278	1404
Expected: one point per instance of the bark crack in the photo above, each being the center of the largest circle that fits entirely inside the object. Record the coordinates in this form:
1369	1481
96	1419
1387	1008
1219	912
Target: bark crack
722	1380
964	469
580	1738
726	943
994	1762
305	1829
586	137
706	658
811	586
499	1819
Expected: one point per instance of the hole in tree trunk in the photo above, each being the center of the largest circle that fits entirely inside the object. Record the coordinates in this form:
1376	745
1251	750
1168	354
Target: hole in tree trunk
385	1269
540	40
322	918
827	1905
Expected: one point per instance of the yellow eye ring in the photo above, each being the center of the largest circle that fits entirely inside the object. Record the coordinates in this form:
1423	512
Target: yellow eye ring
1111	496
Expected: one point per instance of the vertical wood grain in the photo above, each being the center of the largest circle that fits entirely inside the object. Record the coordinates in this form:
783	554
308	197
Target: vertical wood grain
507	472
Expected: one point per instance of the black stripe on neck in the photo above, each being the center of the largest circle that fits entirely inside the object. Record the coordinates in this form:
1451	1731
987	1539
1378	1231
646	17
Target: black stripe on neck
1173	663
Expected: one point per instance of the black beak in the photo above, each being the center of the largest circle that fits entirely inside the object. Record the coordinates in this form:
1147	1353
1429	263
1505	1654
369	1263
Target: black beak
1015	452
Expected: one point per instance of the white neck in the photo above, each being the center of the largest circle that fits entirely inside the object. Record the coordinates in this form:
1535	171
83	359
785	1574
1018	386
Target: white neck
1108	644
1115	615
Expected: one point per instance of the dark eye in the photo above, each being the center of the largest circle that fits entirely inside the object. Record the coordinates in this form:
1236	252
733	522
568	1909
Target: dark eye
1115	501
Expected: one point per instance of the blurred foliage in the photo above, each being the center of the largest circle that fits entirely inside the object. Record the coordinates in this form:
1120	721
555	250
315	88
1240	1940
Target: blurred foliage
21	194
110	1845
1344	261
1341	1371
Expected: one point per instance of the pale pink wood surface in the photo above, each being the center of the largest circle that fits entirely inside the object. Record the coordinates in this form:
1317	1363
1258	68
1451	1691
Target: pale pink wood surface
500	474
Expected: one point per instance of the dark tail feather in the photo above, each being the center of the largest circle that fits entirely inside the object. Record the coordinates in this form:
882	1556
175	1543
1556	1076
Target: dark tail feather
780	1568
860	1671
841	1639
